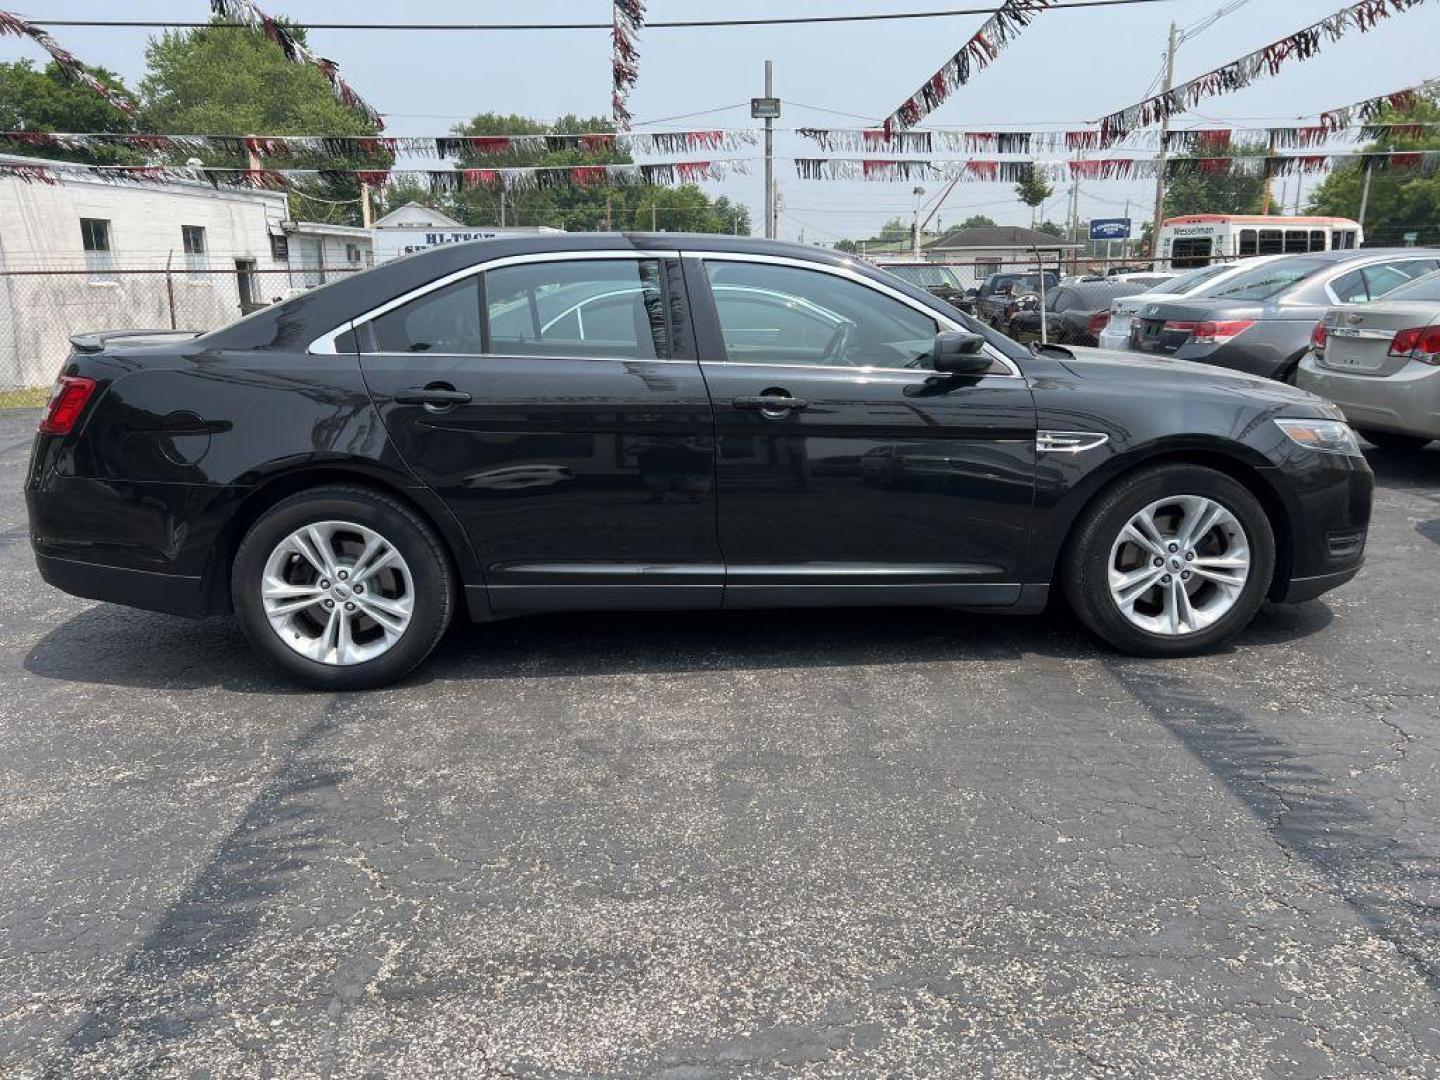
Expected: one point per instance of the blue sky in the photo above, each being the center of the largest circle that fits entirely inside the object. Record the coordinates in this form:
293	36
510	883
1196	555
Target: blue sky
1069	67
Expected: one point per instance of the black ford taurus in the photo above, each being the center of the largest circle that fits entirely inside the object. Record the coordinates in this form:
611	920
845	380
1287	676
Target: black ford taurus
631	422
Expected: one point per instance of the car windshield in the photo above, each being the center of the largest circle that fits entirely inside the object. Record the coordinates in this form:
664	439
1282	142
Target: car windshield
1263	282
1425	288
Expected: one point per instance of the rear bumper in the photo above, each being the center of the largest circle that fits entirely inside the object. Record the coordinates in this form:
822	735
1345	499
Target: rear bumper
171	593
1407	402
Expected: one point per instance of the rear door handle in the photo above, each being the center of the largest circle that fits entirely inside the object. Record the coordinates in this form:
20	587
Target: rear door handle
436	396
768	403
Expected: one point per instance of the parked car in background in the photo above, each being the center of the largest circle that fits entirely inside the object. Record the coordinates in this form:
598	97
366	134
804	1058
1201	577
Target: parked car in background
1116	334
1074	314
571	422
999	290
1381	364
935	278
1260	321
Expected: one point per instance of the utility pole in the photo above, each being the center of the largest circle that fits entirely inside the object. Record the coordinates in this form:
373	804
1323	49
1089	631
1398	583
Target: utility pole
1160	158
653	226
608	227
767	108
915	225
365	205
502	207
1364	196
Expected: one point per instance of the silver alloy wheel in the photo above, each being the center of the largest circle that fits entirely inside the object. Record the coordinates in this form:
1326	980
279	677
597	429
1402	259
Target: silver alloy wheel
337	593
1179	565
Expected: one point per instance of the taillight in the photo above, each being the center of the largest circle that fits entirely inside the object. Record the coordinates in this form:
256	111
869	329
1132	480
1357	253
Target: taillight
1422	343
67	402
1214	333
1098	322
1317	336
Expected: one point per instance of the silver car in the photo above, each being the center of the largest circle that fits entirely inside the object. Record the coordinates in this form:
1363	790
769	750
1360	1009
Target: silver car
1381	364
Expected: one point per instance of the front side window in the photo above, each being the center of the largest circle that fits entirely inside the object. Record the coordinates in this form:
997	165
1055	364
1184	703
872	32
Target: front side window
444	321
789	315
586	307
192	238
95	239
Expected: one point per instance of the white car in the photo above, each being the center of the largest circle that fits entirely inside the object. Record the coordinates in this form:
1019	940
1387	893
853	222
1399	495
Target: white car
1116	334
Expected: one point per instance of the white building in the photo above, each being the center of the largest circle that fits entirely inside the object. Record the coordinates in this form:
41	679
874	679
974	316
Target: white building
980	252
85	254
412	227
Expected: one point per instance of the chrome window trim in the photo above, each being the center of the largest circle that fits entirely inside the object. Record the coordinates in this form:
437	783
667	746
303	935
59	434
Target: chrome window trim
944	321
316	346
325	344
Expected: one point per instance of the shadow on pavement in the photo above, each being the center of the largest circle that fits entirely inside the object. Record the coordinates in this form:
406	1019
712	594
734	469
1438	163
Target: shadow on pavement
119	646
1405	468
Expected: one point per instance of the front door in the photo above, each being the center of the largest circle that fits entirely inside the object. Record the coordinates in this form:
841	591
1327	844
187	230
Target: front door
557	406
847	472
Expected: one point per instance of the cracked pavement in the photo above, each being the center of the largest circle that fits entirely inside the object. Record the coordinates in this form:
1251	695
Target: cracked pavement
855	843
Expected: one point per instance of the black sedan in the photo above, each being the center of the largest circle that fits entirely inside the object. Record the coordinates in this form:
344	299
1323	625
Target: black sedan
1074	314
1260	321
557	423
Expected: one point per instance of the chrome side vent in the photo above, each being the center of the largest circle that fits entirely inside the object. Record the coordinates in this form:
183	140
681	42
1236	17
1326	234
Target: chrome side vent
1068	442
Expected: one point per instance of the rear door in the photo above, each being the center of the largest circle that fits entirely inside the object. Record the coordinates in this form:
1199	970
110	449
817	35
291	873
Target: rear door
846	471
556	404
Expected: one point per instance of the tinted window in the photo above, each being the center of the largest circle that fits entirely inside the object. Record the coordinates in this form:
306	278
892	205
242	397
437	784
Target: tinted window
444	321
1295	242
589	307
1317	239
783	314
1272	242
1248	245
1425	288
1265	281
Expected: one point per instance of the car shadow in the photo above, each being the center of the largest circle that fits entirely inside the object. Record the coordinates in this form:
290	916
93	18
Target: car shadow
1405	468
98	645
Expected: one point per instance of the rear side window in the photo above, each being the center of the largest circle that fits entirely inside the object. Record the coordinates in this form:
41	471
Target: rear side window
586	307
1386	277
1350	288
444	321
788	315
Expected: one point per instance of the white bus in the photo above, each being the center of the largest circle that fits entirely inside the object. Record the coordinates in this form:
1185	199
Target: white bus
1197	239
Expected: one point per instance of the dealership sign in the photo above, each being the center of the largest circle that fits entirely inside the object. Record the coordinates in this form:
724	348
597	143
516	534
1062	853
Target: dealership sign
394	242
1109	228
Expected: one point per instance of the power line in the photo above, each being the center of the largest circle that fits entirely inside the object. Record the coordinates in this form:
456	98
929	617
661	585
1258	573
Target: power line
794	20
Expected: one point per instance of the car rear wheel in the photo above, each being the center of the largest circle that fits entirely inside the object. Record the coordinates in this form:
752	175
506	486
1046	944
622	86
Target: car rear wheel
1170	562
343	587
1392	440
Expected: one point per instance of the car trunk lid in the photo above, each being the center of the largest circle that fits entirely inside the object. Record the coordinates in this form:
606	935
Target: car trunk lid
1358	340
1163	328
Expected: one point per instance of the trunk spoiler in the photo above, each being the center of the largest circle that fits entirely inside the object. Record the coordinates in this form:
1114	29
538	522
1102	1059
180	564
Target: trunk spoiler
96	341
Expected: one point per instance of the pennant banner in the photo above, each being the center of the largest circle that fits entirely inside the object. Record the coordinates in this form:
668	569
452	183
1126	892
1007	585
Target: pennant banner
438	181
628	19
245	11
975	55
1238	74
1012	172
73	69
1363	112
361	146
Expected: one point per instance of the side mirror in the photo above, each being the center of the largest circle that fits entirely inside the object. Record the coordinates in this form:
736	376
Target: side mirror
959	353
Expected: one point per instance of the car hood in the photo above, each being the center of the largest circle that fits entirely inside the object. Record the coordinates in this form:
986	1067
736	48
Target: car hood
1182	376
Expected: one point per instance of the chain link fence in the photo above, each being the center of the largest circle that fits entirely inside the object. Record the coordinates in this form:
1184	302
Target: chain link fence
40	309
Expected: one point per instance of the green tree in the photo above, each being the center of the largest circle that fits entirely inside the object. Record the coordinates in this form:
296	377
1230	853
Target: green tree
1217	193
685	208
212	81
1050	228
32	100
978	221
1401	201
1032	190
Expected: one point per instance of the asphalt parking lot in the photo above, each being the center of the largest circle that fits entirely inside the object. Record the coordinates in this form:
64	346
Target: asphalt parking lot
816	844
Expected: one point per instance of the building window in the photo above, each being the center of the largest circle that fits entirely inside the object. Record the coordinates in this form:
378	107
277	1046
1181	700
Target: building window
280	247
193	237
99	259
984	267
352	254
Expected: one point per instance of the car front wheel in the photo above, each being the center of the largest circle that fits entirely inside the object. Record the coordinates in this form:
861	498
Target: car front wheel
1170	562
343	587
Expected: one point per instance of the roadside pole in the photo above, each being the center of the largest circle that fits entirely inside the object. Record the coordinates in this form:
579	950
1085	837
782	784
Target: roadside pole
1364	196
1040	273
767	108
1160	158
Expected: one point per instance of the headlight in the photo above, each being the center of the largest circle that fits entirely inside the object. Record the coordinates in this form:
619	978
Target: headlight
1327	436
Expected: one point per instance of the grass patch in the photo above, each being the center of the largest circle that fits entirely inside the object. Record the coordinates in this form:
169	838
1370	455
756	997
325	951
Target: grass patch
32	398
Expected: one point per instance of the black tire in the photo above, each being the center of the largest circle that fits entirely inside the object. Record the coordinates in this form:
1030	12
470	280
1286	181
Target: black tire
1085	562
434	583
1393	440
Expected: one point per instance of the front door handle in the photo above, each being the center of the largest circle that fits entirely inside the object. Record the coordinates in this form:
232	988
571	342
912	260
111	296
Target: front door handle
433	396
770	403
